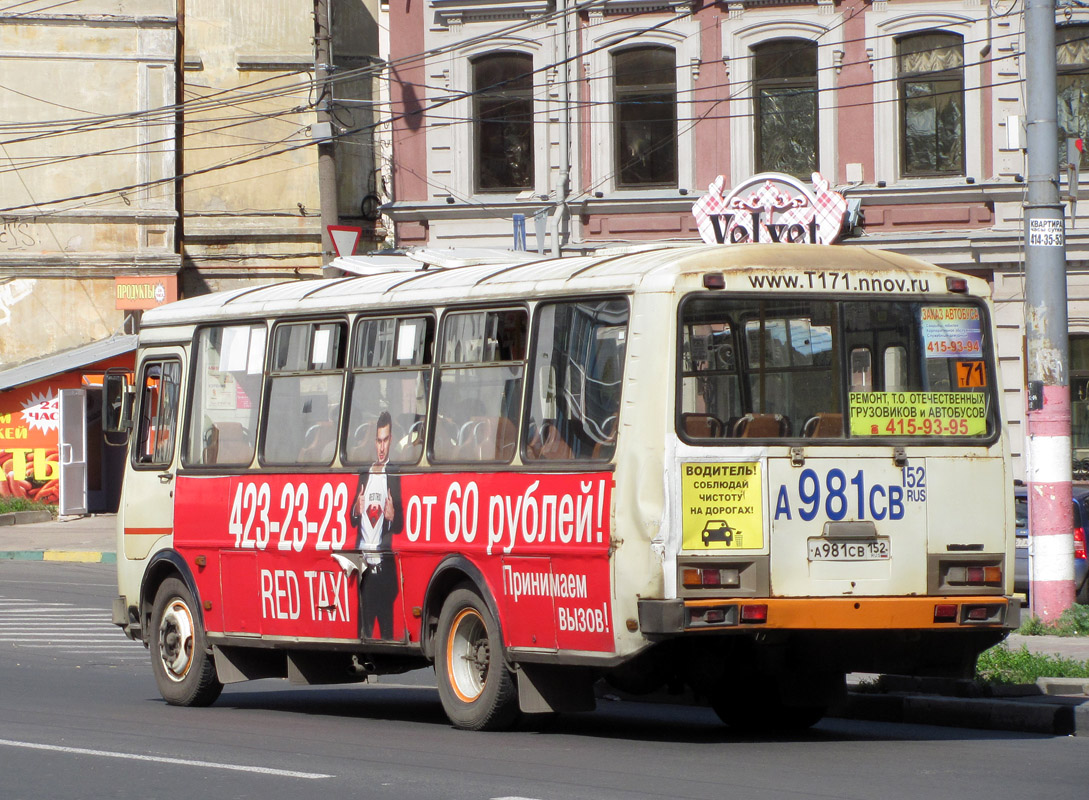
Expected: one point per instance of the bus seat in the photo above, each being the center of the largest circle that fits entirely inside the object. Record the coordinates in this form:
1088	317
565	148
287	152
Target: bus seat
469	438
487	439
227	443
360	447
760	426
506	439
702	426
553	447
824	425
445	442
319	442
410	445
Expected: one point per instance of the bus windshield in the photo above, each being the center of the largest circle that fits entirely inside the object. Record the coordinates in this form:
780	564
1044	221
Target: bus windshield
834	369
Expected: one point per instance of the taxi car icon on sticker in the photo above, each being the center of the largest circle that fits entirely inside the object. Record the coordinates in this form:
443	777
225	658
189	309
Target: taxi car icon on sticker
717	530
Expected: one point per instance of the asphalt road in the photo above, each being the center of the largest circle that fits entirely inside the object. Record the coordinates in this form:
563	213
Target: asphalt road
80	718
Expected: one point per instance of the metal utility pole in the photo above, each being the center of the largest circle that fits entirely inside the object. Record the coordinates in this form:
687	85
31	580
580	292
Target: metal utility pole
323	134
1051	583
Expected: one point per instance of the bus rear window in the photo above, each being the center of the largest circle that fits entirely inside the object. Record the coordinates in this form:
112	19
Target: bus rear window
821	369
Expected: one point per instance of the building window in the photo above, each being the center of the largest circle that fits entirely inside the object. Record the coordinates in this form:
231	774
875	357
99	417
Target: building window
931	76
503	122
1073	87
785	112
645	99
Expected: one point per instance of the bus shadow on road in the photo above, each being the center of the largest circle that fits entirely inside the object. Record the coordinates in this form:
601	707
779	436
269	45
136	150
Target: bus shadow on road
619	720
400	703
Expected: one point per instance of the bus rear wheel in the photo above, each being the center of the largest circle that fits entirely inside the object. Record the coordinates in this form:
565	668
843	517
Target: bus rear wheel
184	671
477	690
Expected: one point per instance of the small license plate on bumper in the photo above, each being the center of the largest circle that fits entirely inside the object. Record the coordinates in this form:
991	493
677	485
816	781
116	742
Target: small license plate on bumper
822	549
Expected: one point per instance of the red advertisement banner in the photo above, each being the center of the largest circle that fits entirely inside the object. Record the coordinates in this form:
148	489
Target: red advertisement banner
350	557
29	420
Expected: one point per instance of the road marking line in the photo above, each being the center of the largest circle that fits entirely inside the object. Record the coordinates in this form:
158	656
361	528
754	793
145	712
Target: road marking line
60	627
102	636
185	762
51	613
74	648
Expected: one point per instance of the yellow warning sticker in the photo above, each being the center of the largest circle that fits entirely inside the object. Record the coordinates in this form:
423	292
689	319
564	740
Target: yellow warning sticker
722	506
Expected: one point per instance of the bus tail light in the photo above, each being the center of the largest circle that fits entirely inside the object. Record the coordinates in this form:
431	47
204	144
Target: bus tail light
982	575
990	613
1079	543
754	614
704	616
695	578
959	285
945	612
974	575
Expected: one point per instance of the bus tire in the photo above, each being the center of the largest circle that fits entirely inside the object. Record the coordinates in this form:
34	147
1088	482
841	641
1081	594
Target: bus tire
477	690
184	670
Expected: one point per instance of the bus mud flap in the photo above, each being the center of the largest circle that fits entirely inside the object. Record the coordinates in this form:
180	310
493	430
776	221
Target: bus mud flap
237	664
543	689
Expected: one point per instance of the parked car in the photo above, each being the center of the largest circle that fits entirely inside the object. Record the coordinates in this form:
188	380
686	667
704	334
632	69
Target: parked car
1081	522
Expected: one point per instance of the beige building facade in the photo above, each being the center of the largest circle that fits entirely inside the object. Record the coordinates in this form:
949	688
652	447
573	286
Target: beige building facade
170	139
85	172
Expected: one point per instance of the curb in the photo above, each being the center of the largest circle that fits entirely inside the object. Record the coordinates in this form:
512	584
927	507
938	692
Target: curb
24	517
71	556
1059	717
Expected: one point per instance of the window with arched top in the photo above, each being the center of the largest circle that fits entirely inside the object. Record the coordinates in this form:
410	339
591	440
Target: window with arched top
503	122
1072	57
645	103
931	82
785	107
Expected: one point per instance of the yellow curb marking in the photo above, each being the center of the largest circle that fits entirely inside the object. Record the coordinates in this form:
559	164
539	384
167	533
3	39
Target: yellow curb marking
71	555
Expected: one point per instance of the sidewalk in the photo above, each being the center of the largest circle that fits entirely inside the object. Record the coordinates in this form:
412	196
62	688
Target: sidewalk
1056	706
86	539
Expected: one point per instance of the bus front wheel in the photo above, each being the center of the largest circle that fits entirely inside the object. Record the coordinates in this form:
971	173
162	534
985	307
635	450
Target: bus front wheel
477	690
184	671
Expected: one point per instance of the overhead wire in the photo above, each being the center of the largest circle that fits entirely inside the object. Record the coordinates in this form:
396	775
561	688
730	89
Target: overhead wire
429	111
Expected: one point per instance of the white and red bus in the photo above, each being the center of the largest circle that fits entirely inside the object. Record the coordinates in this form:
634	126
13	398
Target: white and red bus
747	470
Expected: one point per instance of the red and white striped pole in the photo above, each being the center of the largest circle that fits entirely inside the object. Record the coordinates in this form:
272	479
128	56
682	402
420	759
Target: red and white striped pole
1051	583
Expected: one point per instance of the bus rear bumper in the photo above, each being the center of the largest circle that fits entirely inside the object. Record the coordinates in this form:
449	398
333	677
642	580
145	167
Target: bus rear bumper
829	613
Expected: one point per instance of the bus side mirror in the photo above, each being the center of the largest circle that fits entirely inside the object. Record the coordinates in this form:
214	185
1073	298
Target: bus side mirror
117	402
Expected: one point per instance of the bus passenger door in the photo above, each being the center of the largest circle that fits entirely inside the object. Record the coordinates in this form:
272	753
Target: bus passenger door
149	484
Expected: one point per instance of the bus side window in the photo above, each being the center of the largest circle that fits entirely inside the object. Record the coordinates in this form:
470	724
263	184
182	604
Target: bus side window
577	379
159	393
226	395
305	387
390	373
480	385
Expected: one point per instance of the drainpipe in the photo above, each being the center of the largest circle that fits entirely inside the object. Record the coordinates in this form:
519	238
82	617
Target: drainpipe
563	190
